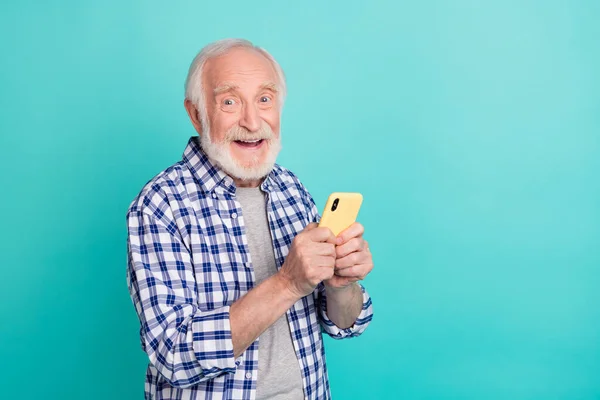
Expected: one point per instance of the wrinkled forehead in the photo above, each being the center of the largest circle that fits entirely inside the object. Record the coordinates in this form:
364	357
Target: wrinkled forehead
241	67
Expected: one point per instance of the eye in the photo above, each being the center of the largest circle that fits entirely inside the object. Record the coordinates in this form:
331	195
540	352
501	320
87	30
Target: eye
265	99
228	102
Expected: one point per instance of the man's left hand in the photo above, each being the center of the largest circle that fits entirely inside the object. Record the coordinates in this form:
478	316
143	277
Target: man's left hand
353	258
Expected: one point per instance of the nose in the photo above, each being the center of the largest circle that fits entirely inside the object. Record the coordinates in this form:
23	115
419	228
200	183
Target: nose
250	119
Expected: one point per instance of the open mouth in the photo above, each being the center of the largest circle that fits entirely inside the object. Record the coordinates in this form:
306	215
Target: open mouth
250	144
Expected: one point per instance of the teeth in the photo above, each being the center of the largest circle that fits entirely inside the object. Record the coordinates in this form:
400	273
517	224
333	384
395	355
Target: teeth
250	141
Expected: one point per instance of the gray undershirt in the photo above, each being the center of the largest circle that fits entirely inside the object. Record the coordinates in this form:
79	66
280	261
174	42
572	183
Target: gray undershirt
279	376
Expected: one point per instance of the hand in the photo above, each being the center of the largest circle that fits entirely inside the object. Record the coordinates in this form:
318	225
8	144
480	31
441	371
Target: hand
353	258
310	261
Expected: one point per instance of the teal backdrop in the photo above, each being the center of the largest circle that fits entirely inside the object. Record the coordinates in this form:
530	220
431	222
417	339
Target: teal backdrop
471	127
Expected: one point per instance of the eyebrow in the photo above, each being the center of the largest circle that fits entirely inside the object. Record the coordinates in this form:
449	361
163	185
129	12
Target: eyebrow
226	87
271	86
230	87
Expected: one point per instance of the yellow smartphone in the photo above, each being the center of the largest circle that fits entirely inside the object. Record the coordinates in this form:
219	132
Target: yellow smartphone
341	211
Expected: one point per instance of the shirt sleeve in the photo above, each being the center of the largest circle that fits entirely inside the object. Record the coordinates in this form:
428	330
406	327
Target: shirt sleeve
185	344
329	327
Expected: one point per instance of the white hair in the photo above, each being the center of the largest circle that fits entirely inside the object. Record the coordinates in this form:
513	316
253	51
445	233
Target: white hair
194	90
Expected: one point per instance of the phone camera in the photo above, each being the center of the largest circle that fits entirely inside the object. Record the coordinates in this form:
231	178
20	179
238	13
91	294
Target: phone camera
335	204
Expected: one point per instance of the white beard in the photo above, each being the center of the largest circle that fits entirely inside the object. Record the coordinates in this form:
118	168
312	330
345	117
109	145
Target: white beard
220	153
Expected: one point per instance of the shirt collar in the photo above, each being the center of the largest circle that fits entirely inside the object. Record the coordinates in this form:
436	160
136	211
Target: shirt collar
212	178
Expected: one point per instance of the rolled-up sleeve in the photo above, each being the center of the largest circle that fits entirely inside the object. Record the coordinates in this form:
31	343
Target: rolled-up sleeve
329	327
185	344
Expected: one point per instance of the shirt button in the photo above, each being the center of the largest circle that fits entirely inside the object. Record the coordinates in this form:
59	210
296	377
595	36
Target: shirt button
248	375
233	215
214	195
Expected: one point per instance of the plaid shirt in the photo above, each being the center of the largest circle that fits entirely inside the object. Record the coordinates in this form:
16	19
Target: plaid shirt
188	261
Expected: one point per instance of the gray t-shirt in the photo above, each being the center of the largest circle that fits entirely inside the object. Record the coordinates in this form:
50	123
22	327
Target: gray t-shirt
279	376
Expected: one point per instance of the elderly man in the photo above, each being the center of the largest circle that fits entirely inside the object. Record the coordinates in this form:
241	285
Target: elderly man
231	277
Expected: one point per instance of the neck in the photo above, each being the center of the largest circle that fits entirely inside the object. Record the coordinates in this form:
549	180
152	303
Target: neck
248	183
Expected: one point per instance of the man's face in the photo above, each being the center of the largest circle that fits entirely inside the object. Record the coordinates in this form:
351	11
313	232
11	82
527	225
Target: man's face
243	112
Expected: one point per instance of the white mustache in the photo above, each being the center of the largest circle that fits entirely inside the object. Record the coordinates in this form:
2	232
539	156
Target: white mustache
238	133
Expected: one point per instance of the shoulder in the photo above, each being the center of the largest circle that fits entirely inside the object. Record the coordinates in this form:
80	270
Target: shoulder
292	186
159	194
288	181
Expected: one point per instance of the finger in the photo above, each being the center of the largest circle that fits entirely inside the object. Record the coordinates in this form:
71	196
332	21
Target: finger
348	279
356	272
311	226
360	270
350	260
324	262
322	234
353	231
325	273
325	249
355	244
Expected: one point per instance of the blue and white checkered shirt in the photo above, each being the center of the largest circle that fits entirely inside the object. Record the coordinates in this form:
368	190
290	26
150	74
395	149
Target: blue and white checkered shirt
188	261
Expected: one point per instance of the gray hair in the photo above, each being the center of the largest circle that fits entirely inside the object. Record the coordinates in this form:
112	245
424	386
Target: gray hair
194	90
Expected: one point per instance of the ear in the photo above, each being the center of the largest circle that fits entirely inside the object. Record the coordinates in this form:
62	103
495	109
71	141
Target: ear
193	114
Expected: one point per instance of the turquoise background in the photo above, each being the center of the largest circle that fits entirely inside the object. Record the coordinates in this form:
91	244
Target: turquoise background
472	128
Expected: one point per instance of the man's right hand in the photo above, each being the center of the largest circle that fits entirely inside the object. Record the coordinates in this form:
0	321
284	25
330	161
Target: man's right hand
310	261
